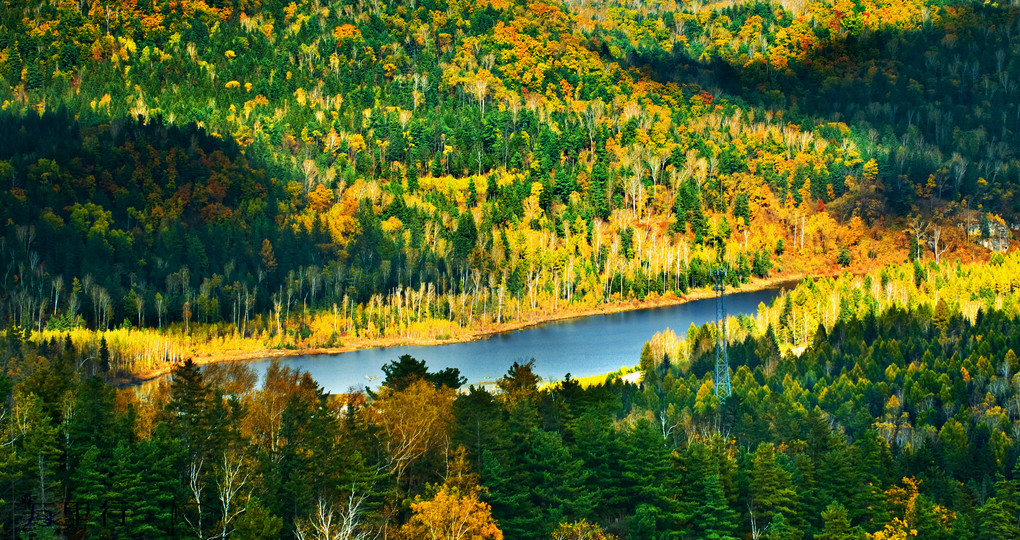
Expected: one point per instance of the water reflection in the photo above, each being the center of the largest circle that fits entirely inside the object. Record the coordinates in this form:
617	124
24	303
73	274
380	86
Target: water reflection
582	347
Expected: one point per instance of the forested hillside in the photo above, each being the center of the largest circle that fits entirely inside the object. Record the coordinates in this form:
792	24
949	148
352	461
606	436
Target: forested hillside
263	175
186	179
897	417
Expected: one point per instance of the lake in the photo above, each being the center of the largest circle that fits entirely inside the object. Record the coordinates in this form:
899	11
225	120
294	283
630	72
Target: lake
582	346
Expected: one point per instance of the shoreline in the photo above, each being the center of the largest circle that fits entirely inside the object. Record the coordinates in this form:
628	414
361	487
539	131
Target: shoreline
666	300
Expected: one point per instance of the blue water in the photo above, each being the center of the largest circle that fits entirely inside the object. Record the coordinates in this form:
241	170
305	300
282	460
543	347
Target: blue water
582	347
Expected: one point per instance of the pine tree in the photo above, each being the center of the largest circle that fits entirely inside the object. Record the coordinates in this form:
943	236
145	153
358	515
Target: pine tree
600	446
472	198
709	499
520	384
158	461
716	520
940	317
412	177
104	356
477	425
998	517
124	495
779	529
258	523
651	481
189	407
39	445
597	188
510	498
762	264
936	521
870	461
771	486
35	76
836	524
94	422
402	372
646	363
466	235
836	478
741	208
90	481
558	481
843	258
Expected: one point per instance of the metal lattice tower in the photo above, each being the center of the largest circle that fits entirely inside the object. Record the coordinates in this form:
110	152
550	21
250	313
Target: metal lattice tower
722	363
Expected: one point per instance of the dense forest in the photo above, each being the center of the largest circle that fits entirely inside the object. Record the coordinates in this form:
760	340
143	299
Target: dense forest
895	418
183	178
189	180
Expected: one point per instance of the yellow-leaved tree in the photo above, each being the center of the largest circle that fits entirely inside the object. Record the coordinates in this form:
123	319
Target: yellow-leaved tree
416	422
451	515
580	530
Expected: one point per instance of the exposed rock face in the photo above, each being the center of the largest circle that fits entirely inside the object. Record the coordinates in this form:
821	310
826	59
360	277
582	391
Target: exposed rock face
997	240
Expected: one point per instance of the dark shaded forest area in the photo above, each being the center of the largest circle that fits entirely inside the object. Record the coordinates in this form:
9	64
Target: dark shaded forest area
887	423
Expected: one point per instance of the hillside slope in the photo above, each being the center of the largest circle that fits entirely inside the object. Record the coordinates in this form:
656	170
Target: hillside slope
299	174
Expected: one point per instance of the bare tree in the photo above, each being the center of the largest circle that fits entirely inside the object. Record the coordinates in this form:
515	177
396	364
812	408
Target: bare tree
160	308
593	114
58	287
196	486
936	236
233	478
756	530
919	228
334	522
140	306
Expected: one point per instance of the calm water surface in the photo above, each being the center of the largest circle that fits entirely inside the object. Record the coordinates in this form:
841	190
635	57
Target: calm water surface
582	347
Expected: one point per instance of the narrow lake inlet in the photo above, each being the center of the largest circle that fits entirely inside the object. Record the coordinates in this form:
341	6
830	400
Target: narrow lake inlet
583	346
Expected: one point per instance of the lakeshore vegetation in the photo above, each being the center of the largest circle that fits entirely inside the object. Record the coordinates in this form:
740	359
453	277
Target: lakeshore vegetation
193	180
894	416
270	175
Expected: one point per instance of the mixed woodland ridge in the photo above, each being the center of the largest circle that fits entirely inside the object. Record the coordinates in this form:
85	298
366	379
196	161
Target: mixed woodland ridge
273	175
187	180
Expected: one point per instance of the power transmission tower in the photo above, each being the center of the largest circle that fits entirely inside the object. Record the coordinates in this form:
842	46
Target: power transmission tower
722	363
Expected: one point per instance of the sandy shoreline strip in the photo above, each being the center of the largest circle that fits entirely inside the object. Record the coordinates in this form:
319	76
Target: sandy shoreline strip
669	299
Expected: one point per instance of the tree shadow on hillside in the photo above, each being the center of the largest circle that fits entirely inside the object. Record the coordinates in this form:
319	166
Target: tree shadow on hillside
944	97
